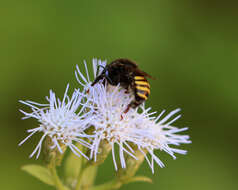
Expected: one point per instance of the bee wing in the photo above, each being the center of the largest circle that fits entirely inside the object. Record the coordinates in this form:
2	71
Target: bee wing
140	72
133	65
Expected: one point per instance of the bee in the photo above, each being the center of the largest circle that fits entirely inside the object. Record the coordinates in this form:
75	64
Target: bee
128	74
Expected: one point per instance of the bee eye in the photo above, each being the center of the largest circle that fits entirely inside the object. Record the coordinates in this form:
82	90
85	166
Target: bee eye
106	73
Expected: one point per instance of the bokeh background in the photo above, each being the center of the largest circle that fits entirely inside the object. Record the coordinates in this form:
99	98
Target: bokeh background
191	47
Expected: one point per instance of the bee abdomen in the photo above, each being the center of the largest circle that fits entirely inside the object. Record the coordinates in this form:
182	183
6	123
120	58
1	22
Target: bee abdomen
142	87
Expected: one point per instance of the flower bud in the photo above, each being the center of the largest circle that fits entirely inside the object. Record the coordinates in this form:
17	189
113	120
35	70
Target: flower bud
51	153
103	150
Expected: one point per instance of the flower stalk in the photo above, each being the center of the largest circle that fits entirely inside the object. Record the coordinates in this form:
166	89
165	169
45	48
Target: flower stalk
87	178
52	168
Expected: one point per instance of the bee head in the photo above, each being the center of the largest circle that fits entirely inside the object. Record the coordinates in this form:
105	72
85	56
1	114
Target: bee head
103	75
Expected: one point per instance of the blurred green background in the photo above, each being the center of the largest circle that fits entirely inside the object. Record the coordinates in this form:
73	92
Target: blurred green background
191	47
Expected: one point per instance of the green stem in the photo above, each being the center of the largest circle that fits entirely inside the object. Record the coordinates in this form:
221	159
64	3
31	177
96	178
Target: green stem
84	167
88	178
58	183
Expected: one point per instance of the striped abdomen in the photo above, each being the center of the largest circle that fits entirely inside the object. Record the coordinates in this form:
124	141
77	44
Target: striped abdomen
142	90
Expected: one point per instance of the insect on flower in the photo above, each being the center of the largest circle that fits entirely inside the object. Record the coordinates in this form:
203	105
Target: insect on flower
140	129
127	73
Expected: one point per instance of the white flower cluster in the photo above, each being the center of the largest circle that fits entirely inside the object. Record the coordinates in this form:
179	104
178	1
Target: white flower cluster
102	106
59	121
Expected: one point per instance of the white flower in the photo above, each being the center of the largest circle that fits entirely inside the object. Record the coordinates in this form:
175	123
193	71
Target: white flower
60	121
138	126
154	133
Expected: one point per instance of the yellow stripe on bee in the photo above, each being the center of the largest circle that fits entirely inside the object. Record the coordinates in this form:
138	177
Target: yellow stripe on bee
142	95
139	78
146	89
142	83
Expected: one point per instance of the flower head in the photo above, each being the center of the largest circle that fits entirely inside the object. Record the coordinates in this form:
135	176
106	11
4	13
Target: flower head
60	121
156	133
137	128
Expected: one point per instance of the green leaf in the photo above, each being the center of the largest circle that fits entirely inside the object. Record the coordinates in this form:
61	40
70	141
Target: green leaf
139	179
111	185
40	172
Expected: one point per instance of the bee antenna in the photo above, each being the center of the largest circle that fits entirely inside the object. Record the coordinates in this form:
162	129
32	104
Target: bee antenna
101	66
98	66
97	79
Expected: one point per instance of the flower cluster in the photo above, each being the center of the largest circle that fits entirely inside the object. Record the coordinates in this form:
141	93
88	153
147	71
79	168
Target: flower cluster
101	107
59	121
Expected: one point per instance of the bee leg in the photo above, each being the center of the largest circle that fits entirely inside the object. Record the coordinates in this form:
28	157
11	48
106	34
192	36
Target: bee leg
98	79
126	110
133	104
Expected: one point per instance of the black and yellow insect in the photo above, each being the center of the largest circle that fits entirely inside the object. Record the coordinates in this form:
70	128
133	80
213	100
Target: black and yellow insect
130	77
